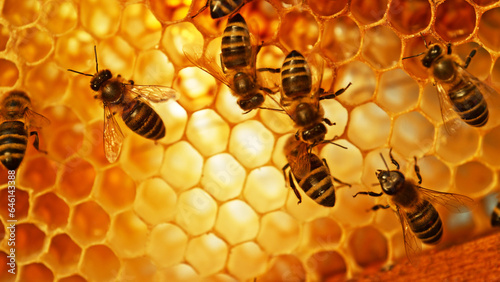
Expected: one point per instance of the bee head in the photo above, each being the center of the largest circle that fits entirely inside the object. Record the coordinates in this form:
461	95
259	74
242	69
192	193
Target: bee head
252	103
390	180
433	53
99	78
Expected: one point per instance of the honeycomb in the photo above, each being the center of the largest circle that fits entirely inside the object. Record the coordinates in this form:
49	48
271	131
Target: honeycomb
208	202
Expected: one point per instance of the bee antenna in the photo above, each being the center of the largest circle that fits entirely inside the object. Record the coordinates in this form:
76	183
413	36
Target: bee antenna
80	72
385	163
425	42
96	64
413	56
375	184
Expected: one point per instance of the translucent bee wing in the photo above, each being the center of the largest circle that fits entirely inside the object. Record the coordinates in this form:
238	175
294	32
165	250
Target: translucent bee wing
113	136
207	63
298	158
34	119
412	245
153	93
316	64
487	91
451	120
453	202
491	96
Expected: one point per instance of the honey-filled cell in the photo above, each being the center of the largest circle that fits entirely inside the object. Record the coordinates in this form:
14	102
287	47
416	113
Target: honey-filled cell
368	246
88	223
36	271
72	278
4	37
29	241
51	210
341	39
22	202
9	74
455	20
101	18
59	17
140	27
210	201
368	12
19	14
409	17
63	254
93	260
300	32
34	45
207	254
128	235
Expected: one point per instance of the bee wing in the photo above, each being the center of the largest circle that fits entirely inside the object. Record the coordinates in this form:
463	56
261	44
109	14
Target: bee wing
113	136
451	120
153	93
412	245
205	62
316	64
487	91
34	119
299	160
453	202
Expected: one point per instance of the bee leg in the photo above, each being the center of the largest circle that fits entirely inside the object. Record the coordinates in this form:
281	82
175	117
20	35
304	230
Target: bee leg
327	121
271	70
330	142
270	109
284	170
425	42
292	185
369	193
267	90
417	171
200	10
341	182
392	159
36	142
330	95
469	58
377	207
224	69
131	82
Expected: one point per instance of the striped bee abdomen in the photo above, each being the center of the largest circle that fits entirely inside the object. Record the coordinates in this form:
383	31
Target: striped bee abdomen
426	223
296	78
236	47
222	8
470	105
13	141
143	120
318	184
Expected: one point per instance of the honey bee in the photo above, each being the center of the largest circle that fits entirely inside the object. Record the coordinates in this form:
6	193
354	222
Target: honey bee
300	99
222	8
132	102
458	90
238	58
414	205
310	172
495	216
18	120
